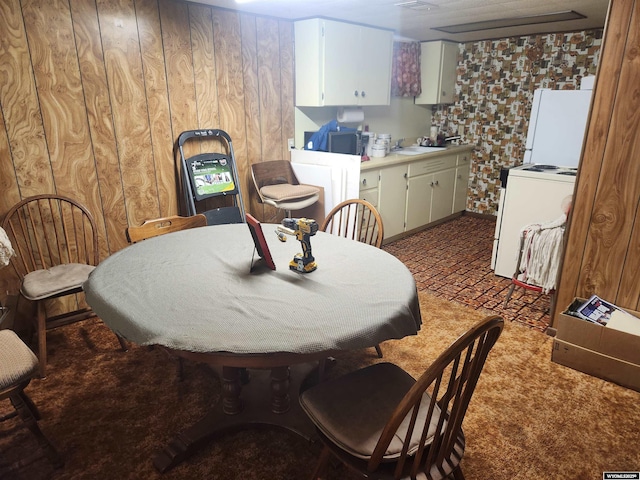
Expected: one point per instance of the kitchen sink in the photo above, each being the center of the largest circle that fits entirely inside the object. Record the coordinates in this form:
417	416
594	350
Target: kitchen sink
417	150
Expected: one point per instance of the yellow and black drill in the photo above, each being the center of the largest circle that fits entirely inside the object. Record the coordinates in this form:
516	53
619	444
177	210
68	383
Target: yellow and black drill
303	229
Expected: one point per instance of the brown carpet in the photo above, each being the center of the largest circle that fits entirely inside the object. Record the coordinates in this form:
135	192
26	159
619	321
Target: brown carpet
453	261
109	411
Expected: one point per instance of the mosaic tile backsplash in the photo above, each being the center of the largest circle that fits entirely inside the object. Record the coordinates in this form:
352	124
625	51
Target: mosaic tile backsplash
494	93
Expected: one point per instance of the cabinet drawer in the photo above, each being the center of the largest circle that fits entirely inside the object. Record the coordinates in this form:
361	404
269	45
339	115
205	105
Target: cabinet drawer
432	165
370	195
369	179
464	158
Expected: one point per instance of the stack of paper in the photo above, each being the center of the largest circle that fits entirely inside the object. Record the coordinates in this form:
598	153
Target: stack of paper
607	314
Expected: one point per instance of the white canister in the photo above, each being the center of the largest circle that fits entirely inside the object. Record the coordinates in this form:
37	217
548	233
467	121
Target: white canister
378	150
386	139
371	140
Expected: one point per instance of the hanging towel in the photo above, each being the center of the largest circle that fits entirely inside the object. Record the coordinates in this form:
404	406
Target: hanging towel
541	253
6	250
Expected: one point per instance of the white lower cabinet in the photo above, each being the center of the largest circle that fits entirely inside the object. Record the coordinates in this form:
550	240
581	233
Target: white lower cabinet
392	199
442	194
419	191
369	186
462	183
414	194
460	190
430	187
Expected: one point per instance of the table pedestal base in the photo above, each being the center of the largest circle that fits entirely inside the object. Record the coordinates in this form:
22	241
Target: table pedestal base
235	412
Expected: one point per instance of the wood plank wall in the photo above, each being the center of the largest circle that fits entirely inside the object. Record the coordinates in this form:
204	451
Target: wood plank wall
602	253
94	93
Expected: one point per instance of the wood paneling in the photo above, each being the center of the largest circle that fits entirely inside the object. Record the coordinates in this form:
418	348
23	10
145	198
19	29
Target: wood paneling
123	63
287	85
155	84
98	110
204	65
252	109
603	242
94	93
271	121
19	102
61	97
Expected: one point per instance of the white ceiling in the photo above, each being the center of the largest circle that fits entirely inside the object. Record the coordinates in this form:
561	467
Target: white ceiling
419	24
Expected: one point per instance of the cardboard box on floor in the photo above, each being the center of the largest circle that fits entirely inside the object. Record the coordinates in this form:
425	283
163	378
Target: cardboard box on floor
603	352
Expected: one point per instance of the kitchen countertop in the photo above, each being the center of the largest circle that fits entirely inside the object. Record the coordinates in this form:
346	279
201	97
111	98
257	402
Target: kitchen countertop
397	159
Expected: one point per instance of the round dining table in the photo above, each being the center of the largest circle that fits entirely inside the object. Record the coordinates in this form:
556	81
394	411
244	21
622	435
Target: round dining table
204	294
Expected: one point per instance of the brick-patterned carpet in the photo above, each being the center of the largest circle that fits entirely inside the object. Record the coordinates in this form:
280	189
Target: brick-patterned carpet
453	261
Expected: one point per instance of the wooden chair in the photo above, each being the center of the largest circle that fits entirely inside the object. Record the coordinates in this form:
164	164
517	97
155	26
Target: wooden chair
160	226
383	424
18	365
277	185
355	219
56	244
358	220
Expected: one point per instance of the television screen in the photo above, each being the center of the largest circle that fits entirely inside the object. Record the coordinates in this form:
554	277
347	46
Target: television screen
211	175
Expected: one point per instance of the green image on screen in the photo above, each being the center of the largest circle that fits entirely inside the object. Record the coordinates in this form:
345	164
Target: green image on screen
212	176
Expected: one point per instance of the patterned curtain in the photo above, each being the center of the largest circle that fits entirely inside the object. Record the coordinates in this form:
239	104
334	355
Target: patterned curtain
405	70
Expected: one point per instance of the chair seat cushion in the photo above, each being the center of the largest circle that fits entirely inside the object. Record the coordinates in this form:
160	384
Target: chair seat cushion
352	410
17	361
286	191
55	280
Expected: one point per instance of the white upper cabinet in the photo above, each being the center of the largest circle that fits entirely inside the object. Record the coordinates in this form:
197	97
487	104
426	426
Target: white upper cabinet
342	64
438	64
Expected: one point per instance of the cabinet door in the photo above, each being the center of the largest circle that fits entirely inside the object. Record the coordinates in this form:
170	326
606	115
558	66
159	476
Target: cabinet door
462	185
392	197
448	74
308	62
375	53
438	66
419	200
371	196
341	61
442	194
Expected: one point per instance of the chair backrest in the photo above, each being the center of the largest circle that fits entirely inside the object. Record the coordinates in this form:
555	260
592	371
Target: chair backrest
355	219
272	172
49	230
449	383
160	226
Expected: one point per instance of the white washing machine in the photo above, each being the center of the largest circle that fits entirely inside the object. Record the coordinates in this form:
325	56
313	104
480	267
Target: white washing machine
533	194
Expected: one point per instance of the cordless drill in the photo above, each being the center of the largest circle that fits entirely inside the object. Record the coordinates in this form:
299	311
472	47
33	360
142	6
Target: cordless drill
303	229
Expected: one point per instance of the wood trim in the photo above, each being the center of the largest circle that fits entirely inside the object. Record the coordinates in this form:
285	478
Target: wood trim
603	238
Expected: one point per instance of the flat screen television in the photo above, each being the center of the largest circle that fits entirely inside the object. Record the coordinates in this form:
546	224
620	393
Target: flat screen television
211	175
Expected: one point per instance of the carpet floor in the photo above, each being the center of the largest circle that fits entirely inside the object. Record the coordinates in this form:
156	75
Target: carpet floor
108	411
453	261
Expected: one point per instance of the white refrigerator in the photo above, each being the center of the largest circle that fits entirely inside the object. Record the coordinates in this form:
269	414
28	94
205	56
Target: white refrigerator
557	126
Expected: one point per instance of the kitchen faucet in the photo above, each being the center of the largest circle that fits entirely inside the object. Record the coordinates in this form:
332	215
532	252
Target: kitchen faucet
397	146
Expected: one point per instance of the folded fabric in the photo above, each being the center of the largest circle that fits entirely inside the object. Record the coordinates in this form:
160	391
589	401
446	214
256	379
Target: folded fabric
541	253
6	250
